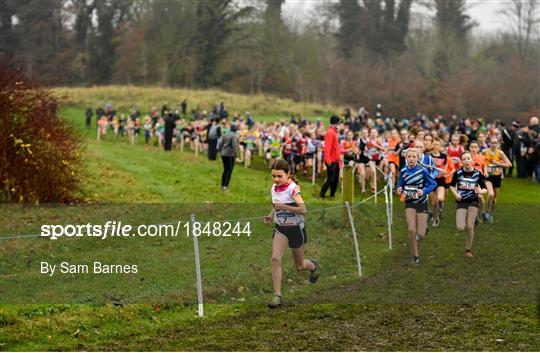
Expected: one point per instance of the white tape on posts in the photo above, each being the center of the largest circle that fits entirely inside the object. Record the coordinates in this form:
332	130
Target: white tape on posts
391	209
313	166
200	310
387	201
374	167
356	248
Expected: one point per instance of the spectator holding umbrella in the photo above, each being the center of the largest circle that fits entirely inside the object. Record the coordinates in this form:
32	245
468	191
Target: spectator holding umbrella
331	158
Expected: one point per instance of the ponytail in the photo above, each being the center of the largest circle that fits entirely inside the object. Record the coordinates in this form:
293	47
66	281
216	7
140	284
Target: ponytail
281	164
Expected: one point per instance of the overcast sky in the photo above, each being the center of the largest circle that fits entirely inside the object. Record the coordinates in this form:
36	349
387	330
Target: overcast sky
484	12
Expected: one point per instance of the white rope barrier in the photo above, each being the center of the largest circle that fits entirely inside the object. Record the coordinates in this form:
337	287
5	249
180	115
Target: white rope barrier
200	308
356	247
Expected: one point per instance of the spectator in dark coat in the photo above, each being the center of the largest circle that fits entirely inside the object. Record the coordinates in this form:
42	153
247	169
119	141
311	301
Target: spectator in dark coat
170	124
88	114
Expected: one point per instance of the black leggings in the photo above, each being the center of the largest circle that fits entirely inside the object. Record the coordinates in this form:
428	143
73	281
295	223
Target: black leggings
228	166
332	179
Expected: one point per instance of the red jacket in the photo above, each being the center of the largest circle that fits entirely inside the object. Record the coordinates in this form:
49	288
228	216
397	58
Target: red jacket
331	146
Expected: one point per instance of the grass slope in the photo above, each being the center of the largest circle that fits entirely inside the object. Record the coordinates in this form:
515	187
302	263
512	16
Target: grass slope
447	303
124	97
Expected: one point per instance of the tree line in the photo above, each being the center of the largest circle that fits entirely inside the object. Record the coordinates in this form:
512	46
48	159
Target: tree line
357	52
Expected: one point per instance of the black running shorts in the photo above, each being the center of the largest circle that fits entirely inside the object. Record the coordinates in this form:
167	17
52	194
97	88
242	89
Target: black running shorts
441	182
296	235
495	180
466	205
420	207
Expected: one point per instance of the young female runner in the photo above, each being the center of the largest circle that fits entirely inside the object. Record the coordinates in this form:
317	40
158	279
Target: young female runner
415	184
495	160
467	183
362	159
479	163
289	228
393	156
445	168
455	149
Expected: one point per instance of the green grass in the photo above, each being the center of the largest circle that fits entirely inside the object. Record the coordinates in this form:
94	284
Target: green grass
447	303
124	97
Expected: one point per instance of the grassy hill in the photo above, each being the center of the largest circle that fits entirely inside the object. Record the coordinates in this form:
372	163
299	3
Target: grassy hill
124	97
448	303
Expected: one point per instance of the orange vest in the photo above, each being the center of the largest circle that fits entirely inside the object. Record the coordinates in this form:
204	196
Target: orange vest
479	162
493	157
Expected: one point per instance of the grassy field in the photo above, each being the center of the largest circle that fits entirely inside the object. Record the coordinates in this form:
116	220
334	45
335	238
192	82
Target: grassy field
124	97
450	302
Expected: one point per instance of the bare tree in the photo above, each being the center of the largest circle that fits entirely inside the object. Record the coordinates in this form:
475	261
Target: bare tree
524	18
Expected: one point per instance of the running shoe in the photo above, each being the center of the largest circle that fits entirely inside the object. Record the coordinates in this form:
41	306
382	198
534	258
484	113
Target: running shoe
314	275
416	260
419	238
429	216
468	253
484	217
275	302
436	222
489	217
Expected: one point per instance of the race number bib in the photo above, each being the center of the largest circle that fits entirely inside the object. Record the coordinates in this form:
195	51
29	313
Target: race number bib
287	218
493	169
411	192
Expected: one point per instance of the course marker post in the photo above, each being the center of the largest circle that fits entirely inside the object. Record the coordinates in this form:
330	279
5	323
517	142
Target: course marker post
200	310
347	183
387	202
196	145
374	179
313	170
391	209
358	261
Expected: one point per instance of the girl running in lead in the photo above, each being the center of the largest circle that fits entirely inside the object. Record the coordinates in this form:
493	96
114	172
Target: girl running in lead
414	185
289	228
467	184
495	160
445	168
